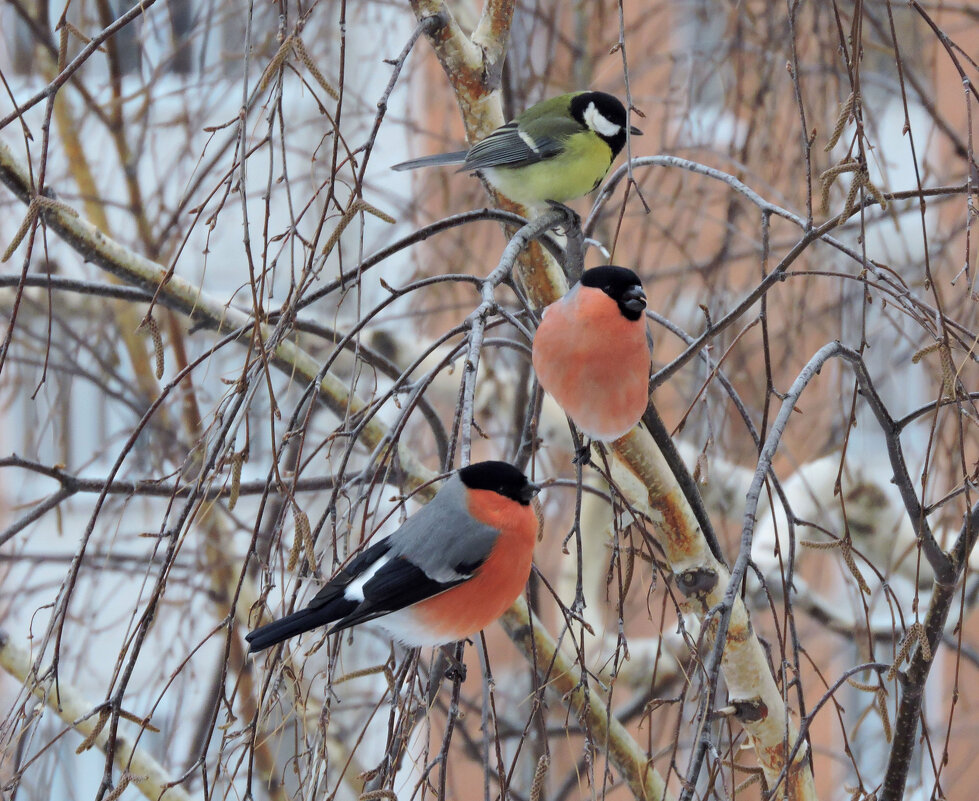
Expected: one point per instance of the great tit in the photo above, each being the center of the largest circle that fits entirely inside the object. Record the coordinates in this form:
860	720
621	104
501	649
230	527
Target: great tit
557	150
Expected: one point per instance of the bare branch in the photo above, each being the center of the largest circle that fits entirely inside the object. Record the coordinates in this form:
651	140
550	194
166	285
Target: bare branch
81	715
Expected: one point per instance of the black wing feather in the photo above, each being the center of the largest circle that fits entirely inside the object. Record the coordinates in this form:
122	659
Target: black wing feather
335	587
398	584
327	606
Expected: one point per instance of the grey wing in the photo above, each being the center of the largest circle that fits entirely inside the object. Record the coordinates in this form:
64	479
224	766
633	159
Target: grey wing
439	160
507	147
442	538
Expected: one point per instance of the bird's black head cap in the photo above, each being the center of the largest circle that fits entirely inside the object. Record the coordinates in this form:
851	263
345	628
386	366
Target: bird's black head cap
605	115
620	284
501	477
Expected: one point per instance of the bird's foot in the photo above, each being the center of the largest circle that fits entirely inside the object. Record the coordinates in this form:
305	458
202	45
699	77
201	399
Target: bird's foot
572	218
574	244
582	455
454	669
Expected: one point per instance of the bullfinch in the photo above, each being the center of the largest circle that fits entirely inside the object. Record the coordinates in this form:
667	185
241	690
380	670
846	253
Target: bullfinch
557	150
449	571
591	352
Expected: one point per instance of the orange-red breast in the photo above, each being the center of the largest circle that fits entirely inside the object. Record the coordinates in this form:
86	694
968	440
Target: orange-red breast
591	352
449	571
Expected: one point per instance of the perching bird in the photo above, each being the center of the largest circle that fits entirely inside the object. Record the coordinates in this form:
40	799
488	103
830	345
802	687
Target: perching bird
592	355
557	150
449	571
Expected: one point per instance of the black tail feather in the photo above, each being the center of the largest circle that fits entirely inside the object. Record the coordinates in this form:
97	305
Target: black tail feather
298	622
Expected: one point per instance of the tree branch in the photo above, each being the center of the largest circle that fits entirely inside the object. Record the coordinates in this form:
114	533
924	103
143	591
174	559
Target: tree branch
68	703
653	488
564	677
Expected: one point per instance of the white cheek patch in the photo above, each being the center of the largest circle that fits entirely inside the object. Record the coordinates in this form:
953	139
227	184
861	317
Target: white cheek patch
354	591
599	124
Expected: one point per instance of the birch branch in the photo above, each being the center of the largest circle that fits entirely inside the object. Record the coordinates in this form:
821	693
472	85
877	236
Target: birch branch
564	677
181	295
178	294
477	94
653	488
544	281
68	703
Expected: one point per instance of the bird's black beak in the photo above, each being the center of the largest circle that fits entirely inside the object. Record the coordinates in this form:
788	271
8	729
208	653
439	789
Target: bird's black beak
634	130
529	491
634	299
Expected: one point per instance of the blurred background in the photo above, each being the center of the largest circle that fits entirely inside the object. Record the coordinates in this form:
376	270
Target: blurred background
161	485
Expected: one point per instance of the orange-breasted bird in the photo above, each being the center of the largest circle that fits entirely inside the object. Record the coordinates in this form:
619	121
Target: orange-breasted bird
591	352
450	570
